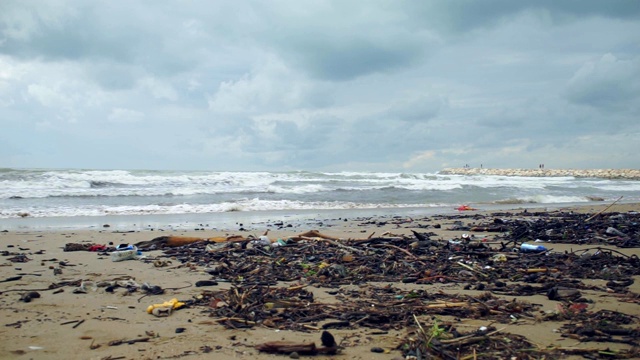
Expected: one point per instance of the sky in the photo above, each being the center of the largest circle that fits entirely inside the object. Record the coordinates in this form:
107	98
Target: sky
409	86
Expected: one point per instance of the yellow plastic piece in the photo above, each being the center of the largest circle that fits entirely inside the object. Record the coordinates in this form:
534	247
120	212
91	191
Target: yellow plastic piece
173	303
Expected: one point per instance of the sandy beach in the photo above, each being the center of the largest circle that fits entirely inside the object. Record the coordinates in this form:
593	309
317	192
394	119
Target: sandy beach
90	307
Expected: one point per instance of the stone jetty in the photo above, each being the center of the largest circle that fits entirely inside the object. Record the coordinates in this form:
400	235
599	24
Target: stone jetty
627	174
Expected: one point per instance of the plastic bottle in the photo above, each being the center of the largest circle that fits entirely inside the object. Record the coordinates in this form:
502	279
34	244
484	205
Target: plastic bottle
124	254
613	231
262	240
532	248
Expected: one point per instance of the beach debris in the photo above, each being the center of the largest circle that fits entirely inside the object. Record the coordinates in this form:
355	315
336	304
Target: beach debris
329	347
494	264
72	322
85	287
128	341
152	289
603	210
131	252
364	279
27	297
465	208
78	324
18	258
84	247
166	308
524	247
201	283
161	263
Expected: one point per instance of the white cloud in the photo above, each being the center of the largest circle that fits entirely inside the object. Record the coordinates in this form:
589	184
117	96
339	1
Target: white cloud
48	96
159	89
125	115
270	87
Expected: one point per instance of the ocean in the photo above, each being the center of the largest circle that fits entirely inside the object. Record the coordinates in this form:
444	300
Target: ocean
67	196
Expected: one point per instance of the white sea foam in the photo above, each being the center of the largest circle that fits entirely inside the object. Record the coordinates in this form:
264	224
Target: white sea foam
125	183
544	199
106	192
243	205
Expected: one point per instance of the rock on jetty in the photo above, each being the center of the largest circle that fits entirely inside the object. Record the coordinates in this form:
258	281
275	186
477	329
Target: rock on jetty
628	174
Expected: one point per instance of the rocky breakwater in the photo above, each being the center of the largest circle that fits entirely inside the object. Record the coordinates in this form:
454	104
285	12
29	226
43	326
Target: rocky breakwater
629	174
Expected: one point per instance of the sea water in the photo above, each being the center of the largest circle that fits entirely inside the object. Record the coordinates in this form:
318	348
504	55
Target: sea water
43	193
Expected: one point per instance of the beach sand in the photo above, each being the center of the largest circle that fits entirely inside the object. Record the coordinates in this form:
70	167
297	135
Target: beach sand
63	324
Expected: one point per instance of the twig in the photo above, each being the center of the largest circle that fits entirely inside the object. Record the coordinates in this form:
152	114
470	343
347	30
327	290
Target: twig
447	305
424	334
601	249
471	338
603	210
69	322
333	242
78	324
471	269
131	341
397	248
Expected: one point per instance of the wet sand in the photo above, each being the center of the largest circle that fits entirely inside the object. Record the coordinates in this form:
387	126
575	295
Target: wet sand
63	324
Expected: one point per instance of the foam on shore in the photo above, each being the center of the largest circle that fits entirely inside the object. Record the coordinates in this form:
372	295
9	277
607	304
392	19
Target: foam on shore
628	174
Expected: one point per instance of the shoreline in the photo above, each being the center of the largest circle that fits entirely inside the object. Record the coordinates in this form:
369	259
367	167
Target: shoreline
230	221
621	174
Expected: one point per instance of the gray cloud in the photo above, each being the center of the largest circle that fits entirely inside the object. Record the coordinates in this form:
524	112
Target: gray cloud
466	15
608	83
390	85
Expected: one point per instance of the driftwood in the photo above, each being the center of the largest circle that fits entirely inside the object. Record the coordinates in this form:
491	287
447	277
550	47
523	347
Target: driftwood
175	241
285	347
313	234
167	241
329	346
129	341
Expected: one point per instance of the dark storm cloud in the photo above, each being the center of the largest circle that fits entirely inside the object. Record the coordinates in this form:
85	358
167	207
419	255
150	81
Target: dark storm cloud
464	15
71	33
344	59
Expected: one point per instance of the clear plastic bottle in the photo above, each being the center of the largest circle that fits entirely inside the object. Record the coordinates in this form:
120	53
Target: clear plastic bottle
124	254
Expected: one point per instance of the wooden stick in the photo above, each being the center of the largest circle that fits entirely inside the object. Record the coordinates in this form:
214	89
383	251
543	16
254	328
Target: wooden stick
316	233
603	210
297	287
333	242
397	248
78	324
538	270
447	305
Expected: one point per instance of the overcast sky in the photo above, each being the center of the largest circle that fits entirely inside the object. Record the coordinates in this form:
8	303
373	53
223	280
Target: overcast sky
412	86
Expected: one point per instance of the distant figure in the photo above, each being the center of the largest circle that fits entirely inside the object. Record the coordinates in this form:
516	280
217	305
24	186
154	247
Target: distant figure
480	166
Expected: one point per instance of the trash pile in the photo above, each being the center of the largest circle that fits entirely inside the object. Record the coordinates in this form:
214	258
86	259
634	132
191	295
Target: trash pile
511	263
615	229
375	283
